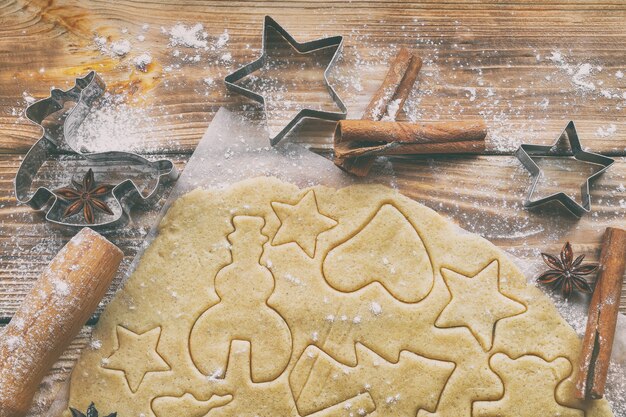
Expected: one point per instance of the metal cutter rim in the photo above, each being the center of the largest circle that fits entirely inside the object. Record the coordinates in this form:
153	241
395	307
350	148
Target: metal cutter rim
85	91
525	152
302	48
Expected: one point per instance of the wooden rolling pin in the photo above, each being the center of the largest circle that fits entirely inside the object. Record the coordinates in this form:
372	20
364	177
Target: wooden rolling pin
62	300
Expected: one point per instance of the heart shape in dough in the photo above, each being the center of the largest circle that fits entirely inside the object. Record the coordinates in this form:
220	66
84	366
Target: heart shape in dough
378	253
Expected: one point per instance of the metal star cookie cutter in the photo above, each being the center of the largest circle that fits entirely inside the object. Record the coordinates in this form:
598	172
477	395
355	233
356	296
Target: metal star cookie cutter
302	48
125	168
525	152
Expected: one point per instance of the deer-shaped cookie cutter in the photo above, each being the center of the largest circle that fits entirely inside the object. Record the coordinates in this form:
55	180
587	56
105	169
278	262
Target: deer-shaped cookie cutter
54	143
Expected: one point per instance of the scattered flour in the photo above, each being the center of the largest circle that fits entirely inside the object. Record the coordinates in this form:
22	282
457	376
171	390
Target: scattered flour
101	43
190	36
472	92
117	126
13	342
222	40
142	61
392	399
216	375
392	111
376	309
581	77
606	131
61	288
557	57
121	47
293	280
28	98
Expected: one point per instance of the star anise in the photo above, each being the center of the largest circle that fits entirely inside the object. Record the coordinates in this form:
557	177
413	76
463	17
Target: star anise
86	197
91	412
566	273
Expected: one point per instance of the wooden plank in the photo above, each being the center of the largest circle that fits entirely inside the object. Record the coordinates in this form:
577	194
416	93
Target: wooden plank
482	194
490	50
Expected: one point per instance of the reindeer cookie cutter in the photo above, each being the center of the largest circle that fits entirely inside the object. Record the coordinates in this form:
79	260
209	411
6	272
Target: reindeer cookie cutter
125	171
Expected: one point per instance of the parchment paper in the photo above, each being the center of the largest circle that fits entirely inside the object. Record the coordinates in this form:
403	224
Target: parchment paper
233	149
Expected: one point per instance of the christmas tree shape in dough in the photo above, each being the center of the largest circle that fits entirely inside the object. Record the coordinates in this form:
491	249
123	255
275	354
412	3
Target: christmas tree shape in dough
387	250
242	313
318	382
520	374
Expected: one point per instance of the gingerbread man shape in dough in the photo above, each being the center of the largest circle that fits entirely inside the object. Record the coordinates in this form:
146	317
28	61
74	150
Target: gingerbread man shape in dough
243	313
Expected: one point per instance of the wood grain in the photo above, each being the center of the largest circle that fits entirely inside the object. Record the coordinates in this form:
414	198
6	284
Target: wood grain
482	59
489	46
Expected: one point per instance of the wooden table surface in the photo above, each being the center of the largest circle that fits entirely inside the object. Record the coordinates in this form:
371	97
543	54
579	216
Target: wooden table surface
527	69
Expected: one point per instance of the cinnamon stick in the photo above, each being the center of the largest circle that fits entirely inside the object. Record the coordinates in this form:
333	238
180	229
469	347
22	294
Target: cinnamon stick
395	88
598	341
357	138
358	142
386	102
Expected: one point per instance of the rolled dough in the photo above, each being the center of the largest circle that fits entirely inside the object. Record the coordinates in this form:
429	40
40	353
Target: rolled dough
267	300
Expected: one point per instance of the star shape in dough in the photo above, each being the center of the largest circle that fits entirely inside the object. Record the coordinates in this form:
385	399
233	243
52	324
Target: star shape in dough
301	223
136	355
477	303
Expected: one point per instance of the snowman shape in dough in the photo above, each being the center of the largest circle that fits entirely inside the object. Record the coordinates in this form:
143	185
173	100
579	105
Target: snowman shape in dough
242	313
